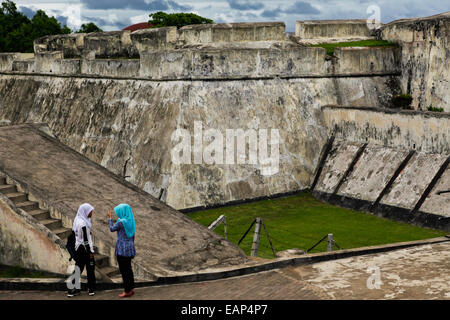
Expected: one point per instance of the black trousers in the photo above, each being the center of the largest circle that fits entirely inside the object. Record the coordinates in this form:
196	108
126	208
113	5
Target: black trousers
127	272
81	260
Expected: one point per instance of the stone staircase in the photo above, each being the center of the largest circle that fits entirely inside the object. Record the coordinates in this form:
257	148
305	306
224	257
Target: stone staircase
20	199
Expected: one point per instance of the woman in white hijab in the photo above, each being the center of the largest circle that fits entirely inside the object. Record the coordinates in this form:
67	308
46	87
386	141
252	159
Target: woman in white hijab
84	247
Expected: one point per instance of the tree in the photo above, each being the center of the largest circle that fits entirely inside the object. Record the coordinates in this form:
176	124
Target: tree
10	20
17	32
21	39
89	27
162	19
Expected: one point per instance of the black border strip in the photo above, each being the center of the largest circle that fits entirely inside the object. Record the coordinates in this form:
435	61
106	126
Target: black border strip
325	151
430	187
350	168
242	201
418	218
393	178
239	78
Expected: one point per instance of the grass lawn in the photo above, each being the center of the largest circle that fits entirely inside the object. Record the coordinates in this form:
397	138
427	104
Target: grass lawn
18	272
363	43
300	221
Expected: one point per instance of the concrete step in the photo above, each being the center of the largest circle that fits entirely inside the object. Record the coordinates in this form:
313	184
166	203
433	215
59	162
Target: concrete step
52	224
28	205
7	188
110	271
17	197
40	214
101	260
62	233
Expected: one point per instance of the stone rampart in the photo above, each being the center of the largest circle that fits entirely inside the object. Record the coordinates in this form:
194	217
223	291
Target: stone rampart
226	63
373	59
332	29
7	59
233	32
424	62
72	45
415	130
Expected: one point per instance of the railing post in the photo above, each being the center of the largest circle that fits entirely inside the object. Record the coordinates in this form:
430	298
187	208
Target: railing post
225	226
256	237
330	242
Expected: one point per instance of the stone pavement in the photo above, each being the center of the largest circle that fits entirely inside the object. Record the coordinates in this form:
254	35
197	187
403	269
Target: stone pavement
415	273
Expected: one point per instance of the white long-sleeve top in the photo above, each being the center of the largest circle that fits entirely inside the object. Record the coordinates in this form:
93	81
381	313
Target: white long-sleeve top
79	238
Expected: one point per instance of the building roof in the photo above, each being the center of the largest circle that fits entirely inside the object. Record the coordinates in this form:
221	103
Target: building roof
138	26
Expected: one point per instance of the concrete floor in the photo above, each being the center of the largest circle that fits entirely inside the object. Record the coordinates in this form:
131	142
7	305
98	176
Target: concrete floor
415	273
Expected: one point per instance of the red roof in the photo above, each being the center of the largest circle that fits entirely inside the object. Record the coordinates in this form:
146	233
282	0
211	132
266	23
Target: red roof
138	26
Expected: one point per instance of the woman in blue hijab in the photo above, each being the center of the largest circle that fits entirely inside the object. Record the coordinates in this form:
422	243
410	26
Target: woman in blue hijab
125	251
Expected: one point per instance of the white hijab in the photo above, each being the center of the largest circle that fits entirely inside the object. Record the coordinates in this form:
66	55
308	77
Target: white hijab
82	217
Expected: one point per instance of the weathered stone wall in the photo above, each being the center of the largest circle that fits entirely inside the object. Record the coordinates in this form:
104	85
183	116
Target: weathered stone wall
7	59
233	32
389	182
113	44
222	63
425	54
332	29
364	59
26	243
418	130
126	126
110	68
72	45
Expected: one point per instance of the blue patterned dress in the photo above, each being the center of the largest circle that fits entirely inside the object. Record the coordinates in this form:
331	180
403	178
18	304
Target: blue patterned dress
124	245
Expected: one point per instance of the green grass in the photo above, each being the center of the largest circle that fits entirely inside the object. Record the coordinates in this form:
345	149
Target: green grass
300	221
362	43
18	272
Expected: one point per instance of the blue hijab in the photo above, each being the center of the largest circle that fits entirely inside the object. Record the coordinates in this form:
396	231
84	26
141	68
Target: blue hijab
123	211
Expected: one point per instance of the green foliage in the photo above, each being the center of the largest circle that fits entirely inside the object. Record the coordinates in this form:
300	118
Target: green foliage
300	221
431	108
363	43
89	27
402	101
17	32
161	19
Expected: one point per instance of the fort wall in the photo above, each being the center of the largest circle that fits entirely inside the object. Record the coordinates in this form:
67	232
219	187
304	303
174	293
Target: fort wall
408	130
121	111
211	63
332	30
26	243
425	46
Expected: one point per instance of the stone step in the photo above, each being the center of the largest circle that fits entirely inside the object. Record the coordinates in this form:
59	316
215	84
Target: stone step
117	278
7	188
40	214
110	271
101	260
17	197
62	233
52	224
28	205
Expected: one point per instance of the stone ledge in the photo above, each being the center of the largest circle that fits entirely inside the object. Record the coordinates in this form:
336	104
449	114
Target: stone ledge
428	114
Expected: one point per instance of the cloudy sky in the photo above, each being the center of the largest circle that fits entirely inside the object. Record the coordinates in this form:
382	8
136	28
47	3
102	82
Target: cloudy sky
118	14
